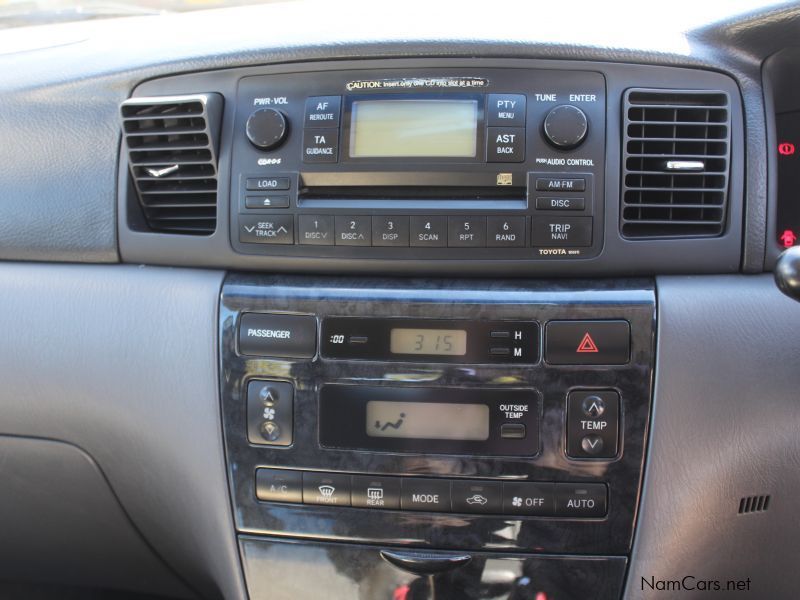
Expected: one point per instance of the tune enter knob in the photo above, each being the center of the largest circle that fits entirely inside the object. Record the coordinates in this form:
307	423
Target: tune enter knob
266	128
565	127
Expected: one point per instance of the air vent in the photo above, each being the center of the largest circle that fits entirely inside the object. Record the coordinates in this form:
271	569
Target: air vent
676	158
752	504
172	154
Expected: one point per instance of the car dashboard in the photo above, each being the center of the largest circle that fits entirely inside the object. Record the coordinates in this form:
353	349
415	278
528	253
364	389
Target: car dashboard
301	300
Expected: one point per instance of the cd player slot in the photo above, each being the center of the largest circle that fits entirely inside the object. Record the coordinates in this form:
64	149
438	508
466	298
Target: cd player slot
421	193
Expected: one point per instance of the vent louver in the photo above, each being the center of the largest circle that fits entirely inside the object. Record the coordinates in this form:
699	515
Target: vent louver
675	163
172	154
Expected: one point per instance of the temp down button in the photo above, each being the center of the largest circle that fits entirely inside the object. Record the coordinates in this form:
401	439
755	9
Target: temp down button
592	424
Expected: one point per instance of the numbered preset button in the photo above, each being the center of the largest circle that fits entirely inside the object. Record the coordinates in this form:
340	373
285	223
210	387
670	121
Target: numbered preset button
315	230
505	232
466	232
353	231
389	231
428	231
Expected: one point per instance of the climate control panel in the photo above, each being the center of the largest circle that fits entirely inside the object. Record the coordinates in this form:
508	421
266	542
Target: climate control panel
437	413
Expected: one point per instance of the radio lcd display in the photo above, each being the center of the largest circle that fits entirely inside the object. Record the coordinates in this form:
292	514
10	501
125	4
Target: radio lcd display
408	128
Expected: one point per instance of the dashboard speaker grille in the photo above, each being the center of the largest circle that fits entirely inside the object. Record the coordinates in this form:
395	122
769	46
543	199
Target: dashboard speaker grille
172	146
675	163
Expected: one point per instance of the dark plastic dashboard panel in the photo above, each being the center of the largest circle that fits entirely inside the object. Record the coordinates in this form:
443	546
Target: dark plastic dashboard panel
543	301
618	256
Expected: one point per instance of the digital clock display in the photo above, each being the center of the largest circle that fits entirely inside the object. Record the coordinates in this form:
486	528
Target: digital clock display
446	342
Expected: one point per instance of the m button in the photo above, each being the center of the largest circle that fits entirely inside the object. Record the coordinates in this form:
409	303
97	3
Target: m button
588	342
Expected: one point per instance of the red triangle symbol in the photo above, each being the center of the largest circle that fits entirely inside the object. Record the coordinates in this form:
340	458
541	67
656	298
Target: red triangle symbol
587	344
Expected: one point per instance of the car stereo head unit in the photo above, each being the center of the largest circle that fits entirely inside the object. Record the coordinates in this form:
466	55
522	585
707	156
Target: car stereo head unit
426	163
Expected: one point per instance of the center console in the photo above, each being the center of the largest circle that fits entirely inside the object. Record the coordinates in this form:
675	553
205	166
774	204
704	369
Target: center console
477	435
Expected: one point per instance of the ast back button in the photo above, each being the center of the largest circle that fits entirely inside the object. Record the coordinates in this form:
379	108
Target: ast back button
505	144
581	500
326	488
279	485
477	496
530	499
562	231
587	342
425	494
286	336
370	491
266	229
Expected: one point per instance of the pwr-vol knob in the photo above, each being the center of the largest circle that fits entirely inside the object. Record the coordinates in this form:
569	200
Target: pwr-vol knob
565	127
266	128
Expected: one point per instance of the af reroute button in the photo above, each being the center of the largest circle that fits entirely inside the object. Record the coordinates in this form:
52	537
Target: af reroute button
279	335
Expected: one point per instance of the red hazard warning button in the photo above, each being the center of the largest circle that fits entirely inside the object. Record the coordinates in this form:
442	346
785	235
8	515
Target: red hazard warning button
588	342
